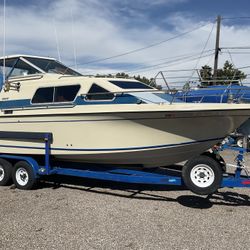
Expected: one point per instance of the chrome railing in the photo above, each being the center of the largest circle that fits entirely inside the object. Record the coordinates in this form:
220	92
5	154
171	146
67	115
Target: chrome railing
193	88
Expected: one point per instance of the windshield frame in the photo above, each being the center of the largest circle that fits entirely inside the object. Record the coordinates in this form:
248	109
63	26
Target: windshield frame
62	69
25	59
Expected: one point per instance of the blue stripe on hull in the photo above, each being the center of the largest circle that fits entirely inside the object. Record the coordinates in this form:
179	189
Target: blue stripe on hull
26	103
118	149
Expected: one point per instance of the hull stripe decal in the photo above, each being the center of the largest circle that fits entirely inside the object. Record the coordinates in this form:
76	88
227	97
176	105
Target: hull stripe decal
105	120
26	103
118	149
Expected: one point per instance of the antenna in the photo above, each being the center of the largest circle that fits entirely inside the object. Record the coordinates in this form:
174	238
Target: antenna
73	33
4	38
57	43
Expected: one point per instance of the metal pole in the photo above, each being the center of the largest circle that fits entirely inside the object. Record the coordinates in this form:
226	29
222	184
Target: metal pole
164	79
47	141
4	39
217	48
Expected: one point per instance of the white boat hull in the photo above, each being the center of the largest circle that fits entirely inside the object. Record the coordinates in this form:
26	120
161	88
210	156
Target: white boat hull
147	138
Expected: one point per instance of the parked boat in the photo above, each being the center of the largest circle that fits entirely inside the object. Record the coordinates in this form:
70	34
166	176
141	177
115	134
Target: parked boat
236	93
105	120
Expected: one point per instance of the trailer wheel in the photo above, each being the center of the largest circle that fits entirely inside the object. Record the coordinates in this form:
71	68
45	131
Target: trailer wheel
5	172
240	142
23	176
202	175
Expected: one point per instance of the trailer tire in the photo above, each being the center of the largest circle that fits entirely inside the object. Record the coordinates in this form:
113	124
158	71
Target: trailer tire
202	175
23	176
5	172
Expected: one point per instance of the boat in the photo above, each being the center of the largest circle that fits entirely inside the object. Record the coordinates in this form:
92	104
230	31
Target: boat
105	120
234	92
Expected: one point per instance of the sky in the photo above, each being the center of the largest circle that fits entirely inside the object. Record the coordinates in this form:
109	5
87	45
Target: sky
81	33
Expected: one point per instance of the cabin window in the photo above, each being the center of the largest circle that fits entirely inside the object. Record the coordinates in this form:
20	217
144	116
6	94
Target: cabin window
66	93
97	93
43	95
56	94
130	85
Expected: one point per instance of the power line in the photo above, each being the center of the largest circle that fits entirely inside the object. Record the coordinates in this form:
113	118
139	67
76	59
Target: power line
177	70
170	61
240	47
238	17
209	59
231	58
169	64
239	53
205	45
146	47
174	59
244	67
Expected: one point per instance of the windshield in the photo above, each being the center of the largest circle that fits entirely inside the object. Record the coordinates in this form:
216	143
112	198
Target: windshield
17	67
23	66
52	66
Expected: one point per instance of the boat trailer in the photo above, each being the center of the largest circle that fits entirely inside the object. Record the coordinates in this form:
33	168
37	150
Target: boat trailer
203	174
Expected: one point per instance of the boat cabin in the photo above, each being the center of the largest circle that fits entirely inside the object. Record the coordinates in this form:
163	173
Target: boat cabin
31	81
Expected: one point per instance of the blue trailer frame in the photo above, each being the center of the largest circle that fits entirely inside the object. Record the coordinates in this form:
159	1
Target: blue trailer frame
236	179
112	173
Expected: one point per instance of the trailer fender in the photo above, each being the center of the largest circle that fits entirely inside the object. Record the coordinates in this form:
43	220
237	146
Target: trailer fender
217	157
32	162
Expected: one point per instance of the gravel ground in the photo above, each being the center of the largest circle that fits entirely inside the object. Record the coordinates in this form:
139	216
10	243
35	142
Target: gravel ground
83	214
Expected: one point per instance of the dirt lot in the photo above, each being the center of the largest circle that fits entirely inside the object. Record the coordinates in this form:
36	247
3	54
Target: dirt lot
84	214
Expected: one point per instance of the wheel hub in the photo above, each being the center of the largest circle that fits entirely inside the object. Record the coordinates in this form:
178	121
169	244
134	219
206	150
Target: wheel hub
1	174
22	176
202	175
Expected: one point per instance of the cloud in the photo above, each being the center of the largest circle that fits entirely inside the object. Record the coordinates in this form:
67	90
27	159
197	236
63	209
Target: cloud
105	28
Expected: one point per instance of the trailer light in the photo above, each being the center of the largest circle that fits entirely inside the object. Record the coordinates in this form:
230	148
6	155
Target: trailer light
246	182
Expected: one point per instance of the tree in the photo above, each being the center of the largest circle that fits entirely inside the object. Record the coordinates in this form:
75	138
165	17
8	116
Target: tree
122	75
147	81
143	79
230	73
227	75
206	75
101	76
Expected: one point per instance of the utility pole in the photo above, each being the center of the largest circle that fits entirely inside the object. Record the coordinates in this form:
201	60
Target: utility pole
217	48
